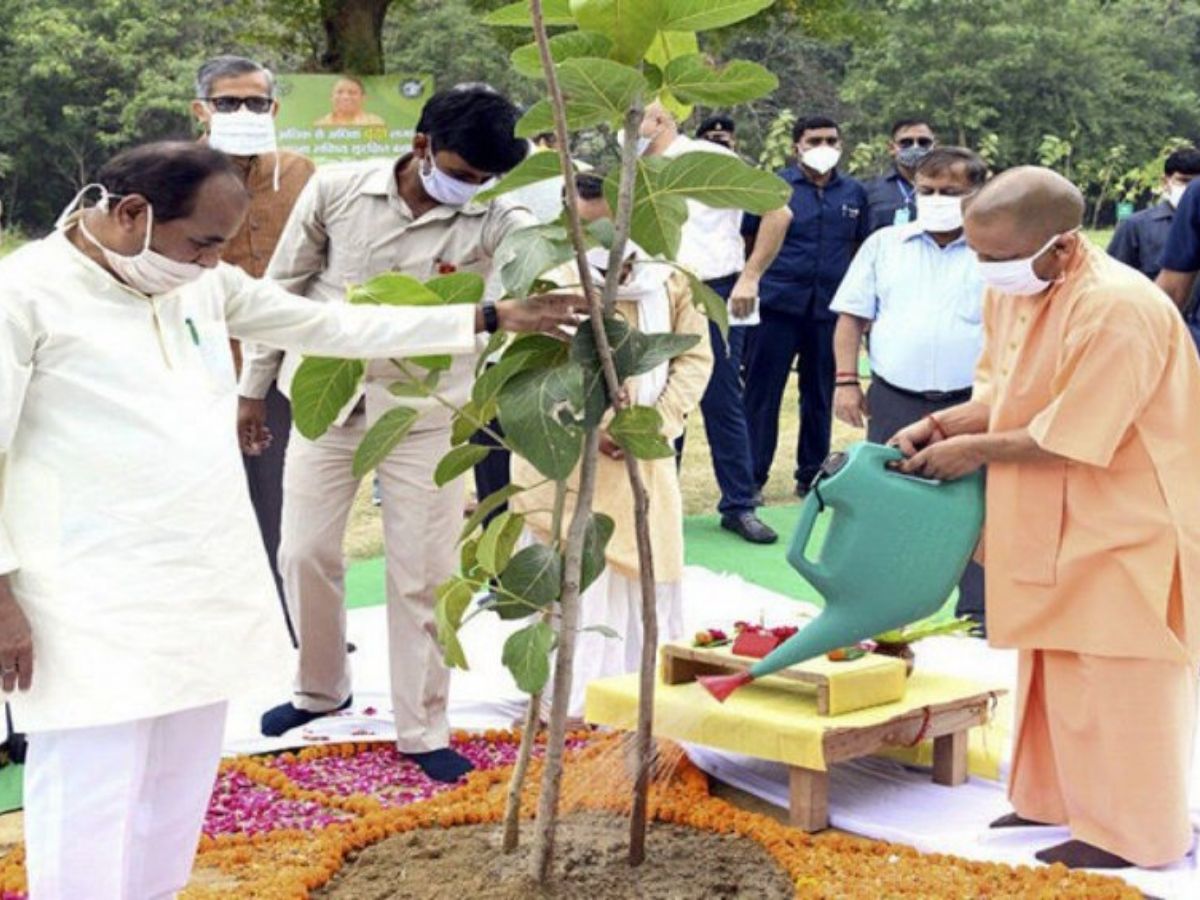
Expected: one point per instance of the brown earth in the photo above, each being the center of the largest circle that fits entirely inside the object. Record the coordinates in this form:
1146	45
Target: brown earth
466	862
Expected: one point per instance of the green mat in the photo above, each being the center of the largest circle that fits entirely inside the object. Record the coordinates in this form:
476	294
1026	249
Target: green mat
705	542
11	787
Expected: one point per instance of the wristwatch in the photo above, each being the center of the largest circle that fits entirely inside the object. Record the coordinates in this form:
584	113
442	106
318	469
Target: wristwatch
491	318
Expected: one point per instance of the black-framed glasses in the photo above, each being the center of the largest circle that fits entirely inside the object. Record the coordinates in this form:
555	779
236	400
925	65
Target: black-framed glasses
925	142
233	104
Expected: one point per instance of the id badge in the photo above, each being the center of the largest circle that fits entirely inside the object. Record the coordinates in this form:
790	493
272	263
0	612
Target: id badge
901	217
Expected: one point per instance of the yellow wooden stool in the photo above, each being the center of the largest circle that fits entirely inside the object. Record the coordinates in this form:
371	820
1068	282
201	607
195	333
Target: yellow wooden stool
779	719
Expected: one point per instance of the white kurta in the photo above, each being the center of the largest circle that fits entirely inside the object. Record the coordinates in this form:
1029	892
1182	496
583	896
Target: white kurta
126	529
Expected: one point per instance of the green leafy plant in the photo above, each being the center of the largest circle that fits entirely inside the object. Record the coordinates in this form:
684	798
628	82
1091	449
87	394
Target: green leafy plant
610	58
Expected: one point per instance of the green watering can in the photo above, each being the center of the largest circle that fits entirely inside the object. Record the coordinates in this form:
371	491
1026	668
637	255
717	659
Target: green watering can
895	548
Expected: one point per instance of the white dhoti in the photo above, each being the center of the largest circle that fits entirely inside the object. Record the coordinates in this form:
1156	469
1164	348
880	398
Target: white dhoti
115	812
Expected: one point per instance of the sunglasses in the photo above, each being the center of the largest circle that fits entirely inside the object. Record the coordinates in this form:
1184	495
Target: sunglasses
925	142
233	104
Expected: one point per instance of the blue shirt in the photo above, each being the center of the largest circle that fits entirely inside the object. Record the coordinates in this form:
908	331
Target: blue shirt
891	200
1139	240
1182	253
926	305
828	224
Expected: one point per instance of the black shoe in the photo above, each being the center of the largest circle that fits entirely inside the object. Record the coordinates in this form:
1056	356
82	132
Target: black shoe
757	499
749	527
802	489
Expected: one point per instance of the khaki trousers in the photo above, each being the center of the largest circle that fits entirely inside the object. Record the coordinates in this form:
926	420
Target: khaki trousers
1103	746
420	529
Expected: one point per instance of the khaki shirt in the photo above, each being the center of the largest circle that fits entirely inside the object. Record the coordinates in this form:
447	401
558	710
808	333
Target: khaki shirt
1081	553
351	224
251	248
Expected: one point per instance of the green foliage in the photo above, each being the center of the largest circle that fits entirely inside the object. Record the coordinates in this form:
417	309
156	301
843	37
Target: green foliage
453	598
540	412
321	388
382	438
693	79
458	461
600	530
638	431
498	542
535	576
527	655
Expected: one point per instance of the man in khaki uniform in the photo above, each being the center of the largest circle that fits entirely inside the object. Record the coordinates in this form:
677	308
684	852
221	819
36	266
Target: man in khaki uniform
352	222
236	104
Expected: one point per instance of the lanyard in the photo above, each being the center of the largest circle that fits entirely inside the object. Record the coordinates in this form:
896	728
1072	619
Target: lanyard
906	194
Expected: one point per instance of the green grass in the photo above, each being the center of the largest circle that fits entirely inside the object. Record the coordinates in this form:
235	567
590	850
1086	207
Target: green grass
10	240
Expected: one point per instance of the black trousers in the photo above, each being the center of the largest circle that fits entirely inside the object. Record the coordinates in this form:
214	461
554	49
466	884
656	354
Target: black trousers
892	410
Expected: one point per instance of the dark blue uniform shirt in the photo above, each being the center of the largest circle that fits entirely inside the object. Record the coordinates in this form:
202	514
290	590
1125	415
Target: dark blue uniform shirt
1140	239
828	224
891	200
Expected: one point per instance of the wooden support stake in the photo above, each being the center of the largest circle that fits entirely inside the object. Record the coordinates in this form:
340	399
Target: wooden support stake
808	799
950	759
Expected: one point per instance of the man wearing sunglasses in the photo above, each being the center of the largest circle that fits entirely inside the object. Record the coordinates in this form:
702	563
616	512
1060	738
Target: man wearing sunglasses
891	197
235	104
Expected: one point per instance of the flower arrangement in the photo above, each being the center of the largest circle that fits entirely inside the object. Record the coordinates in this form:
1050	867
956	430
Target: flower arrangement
282	826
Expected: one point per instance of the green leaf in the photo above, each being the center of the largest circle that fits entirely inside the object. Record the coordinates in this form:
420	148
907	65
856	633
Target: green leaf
610	633
531	252
527	353
542	350
638	431
321	388
693	79
597	91
603	232
528	61
658	217
495	344
459	287
468	558
487	505
539	411
711	304
705	15
498	541
533	169
439	363
527	655
722	182
595	542
655	349
534	575
458	461
516	15
468	420
667	46
394	289
453	598
382	438
422	388
631	24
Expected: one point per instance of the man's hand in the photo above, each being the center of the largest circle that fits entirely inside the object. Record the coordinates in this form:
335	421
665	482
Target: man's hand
946	460
744	298
544	313
16	642
254	436
911	439
609	447
850	405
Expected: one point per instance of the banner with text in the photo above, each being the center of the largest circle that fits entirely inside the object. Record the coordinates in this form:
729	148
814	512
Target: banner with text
338	118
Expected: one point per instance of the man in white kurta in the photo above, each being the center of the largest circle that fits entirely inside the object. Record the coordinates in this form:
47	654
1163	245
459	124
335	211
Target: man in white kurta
127	539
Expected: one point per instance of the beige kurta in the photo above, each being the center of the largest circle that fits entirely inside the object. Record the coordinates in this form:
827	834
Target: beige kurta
687	378
125	527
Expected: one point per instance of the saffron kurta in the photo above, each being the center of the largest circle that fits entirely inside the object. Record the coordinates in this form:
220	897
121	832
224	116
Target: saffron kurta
1081	553
1093	560
125	528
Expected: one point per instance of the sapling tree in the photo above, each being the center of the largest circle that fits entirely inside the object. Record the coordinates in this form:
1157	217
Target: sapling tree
605	60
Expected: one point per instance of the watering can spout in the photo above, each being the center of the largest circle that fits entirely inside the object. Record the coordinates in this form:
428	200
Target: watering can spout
721	686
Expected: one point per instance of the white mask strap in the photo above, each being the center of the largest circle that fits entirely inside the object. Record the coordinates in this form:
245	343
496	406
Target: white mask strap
69	210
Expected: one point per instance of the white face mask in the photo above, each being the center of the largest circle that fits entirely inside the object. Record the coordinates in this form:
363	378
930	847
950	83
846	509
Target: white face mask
938	213
444	188
242	133
1175	194
148	271
643	142
1016	276
821	159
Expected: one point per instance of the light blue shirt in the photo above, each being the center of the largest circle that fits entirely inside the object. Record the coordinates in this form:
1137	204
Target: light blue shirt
925	306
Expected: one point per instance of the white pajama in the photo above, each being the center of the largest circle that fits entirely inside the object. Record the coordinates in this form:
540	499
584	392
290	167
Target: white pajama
114	812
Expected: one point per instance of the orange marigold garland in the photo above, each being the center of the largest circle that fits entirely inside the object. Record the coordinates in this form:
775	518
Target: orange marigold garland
282	863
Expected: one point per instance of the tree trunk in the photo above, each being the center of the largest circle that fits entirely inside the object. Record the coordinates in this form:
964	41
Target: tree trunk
512	808
354	35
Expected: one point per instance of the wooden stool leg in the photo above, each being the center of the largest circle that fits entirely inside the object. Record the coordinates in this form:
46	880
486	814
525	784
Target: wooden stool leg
950	759
808	799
